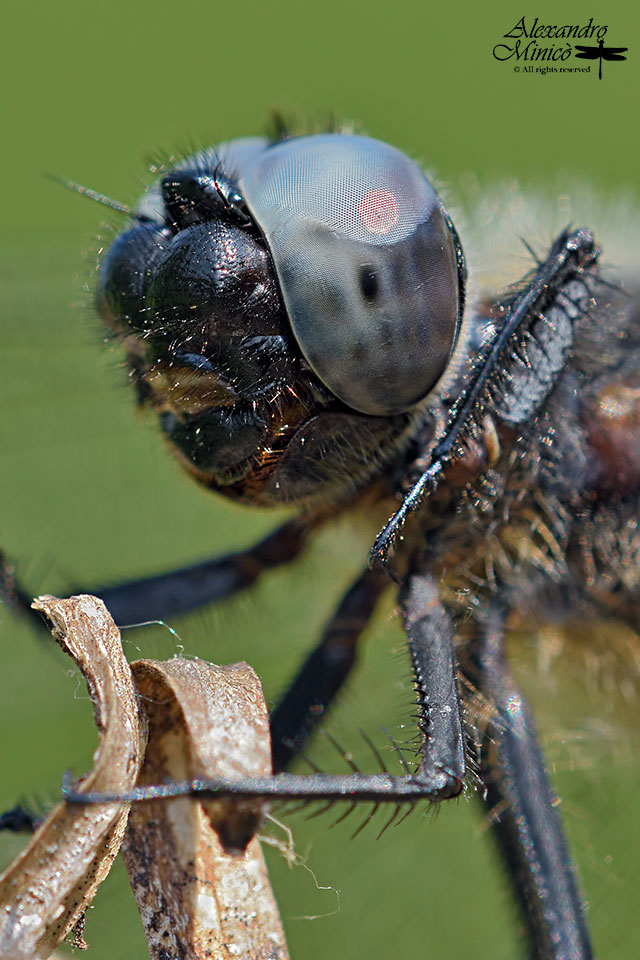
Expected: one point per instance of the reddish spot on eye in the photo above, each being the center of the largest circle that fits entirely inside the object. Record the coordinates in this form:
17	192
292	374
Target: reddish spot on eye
378	211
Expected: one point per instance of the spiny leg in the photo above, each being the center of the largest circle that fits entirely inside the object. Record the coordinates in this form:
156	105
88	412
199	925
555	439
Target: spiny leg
514	377
179	591
523	809
442	770
324	671
430	634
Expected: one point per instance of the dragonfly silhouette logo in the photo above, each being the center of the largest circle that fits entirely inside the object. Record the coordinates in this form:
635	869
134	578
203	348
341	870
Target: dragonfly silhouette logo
541	48
600	53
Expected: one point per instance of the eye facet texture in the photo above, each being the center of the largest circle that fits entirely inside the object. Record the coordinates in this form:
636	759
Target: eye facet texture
366	264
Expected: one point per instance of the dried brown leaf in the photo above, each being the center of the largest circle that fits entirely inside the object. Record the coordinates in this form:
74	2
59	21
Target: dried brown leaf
202	892
50	885
199	878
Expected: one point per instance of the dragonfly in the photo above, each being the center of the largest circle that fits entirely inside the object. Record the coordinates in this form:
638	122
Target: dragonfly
474	461
600	53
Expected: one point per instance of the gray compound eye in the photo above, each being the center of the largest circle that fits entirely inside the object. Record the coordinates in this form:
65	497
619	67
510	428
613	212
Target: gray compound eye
366	261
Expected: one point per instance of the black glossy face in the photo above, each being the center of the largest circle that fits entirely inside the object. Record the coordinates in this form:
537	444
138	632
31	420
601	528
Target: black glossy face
286	337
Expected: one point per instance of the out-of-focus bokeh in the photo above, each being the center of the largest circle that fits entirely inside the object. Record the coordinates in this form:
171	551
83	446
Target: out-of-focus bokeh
89	494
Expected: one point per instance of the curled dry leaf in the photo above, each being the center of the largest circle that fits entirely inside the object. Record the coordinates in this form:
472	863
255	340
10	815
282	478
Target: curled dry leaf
202	892
199	878
50	885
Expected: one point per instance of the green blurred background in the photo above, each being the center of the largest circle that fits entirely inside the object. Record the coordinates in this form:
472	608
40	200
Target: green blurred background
89	495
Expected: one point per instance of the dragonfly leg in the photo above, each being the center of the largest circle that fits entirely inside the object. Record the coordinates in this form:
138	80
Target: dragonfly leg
523	809
324	671
167	595
431	643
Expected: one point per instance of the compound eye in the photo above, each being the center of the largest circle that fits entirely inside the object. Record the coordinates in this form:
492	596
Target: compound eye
367	265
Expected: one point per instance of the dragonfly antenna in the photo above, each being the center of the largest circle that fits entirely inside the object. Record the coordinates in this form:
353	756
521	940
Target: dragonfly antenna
91	194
